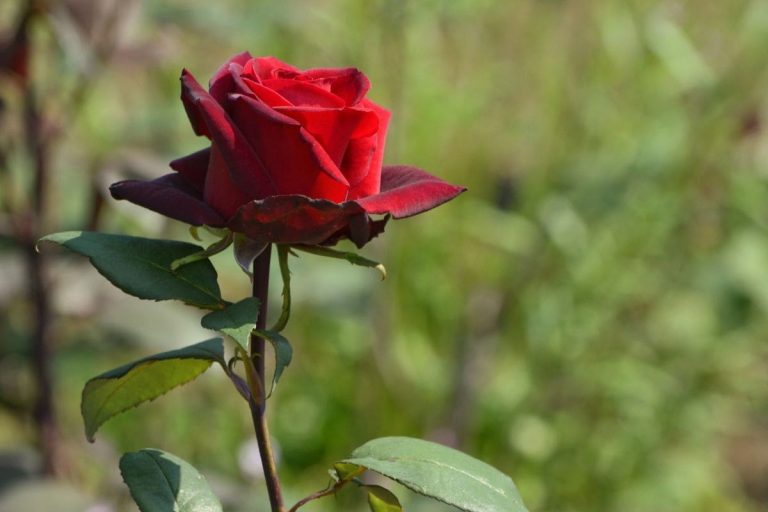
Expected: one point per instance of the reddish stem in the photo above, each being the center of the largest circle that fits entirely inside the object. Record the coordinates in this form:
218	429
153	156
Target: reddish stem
258	400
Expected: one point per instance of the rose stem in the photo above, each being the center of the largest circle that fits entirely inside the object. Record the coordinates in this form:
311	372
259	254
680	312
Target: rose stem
258	401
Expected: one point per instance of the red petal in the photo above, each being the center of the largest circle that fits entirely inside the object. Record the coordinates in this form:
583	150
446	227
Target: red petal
241	59
226	80
268	67
356	166
349	84
293	158
245	168
169	195
369	185
193	167
303	94
188	83
333	128
406	191
265	94
221	192
293	219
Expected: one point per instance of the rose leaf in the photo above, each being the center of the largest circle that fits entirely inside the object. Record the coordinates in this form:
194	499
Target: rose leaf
161	481
130	385
142	267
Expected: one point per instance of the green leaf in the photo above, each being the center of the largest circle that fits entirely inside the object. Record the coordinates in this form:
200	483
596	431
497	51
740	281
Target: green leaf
382	500
142	267
283	353
161	482
125	387
342	472
441	473
236	320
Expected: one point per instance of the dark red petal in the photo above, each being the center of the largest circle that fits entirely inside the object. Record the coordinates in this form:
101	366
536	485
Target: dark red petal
244	166
169	195
226	80
360	230
189	84
193	168
303	94
349	84
334	128
294	159
229	84
221	192
406	191
293	219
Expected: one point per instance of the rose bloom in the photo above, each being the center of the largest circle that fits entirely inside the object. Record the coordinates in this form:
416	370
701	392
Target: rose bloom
295	157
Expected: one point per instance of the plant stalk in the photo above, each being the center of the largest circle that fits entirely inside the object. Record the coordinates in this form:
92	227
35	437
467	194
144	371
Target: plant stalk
258	398
32	225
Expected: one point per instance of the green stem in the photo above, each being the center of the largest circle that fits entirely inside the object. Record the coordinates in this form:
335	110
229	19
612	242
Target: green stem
211	250
351	257
283	252
258	401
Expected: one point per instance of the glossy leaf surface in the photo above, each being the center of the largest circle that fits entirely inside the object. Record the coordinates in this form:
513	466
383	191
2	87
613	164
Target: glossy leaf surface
142	266
441	473
161	482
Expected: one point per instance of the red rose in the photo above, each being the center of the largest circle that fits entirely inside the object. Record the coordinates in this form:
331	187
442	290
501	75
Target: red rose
295	157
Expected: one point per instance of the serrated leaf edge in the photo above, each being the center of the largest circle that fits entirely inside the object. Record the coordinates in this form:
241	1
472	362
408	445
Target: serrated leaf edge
90	434
420	490
220	303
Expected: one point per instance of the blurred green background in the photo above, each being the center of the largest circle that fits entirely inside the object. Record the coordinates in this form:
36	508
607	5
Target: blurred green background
590	317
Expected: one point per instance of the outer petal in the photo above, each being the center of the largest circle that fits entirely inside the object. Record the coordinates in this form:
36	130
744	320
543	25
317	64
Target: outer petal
293	219
240	59
168	195
221	192
244	166
293	158
357	166
406	191
193	168
226	80
188	83
369	184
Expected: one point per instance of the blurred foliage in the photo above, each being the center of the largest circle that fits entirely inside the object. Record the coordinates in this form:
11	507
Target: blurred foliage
590	317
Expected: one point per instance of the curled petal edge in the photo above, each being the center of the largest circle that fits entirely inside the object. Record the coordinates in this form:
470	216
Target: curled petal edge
171	196
407	191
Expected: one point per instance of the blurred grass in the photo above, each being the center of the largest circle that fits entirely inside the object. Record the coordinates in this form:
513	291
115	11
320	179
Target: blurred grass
590	317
